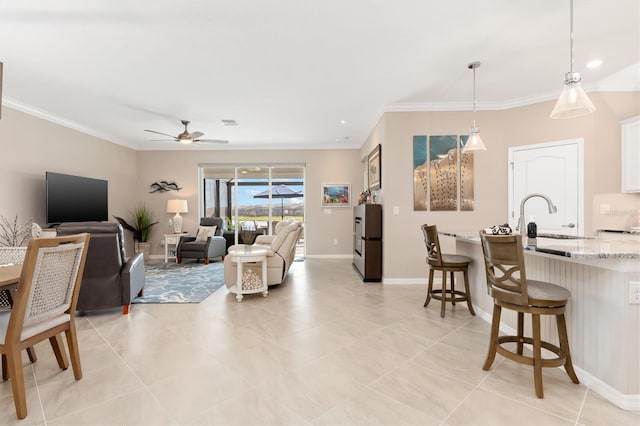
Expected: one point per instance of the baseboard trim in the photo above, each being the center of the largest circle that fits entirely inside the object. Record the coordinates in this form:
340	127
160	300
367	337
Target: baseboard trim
404	281
328	256
626	402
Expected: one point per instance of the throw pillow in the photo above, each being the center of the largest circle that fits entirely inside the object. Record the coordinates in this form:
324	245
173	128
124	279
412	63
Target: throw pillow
205	232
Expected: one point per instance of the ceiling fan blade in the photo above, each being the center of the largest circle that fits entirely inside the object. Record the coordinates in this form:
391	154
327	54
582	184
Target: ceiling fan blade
212	141
160	133
196	135
162	140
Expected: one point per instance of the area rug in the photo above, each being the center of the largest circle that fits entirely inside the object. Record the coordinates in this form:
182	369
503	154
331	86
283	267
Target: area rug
181	283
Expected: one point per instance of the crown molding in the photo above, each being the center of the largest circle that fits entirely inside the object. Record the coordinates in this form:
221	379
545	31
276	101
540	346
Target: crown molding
28	109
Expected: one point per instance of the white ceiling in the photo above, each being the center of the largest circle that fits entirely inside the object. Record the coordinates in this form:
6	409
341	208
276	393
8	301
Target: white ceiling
290	70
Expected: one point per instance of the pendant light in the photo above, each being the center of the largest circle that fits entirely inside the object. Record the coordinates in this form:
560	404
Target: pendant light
475	142
573	102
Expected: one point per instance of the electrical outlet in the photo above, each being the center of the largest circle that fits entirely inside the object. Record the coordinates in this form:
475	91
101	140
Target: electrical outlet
634	292
396	210
335	242
327	211
605	209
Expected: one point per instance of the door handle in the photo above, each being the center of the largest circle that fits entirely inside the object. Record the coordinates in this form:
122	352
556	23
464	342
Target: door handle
570	225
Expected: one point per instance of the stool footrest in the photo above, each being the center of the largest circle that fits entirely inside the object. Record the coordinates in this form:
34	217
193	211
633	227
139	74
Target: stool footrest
460	296
546	362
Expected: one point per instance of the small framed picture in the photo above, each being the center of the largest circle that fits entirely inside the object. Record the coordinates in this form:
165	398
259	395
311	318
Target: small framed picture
336	195
374	168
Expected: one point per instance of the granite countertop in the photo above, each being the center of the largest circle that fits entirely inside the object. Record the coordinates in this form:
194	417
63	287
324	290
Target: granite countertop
585	248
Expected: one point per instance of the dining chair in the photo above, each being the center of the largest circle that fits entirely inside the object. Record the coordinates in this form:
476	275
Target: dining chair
510	288
14	255
450	263
44	306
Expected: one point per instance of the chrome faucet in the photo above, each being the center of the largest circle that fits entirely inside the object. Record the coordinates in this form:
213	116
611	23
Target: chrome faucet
552	209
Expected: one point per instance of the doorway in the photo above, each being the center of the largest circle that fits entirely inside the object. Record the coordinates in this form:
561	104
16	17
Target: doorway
253	198
554	169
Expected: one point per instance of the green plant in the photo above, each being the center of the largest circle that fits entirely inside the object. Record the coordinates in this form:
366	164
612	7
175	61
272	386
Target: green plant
142	223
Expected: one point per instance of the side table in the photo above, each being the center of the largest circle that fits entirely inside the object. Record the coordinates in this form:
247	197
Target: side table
171	239
248	254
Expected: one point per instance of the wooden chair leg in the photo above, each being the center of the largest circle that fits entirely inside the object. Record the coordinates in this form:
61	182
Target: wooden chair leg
453	288
429	288
443	294
206	261
125	309
564	346
493	340
31	352
520	346
537	354
465	273
14	364
59	351
5	372
74	353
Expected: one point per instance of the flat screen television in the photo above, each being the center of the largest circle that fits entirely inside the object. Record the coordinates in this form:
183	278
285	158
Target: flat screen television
76	199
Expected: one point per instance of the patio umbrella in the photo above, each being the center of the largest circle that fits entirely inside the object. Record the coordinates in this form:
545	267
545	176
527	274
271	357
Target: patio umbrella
282	192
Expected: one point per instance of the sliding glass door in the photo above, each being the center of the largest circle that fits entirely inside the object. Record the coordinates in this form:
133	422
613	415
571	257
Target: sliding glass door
253	198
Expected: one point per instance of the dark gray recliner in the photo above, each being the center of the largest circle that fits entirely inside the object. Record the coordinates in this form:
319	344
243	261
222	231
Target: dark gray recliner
189	248
110	278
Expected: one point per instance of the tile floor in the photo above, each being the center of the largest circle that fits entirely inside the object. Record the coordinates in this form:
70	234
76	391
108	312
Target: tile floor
322	349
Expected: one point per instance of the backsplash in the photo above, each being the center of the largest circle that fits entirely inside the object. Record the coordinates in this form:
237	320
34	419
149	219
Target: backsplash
616	211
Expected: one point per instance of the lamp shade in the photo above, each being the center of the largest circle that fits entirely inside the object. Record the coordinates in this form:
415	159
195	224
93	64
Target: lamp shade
475	142
177	206
573	102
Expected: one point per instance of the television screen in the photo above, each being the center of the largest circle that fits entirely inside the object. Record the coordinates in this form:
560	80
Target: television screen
76	199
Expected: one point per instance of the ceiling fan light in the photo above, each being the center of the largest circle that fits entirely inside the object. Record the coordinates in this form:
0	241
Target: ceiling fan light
474	143
185	141
573	102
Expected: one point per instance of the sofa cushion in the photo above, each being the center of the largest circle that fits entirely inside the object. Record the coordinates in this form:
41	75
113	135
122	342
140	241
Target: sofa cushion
204	232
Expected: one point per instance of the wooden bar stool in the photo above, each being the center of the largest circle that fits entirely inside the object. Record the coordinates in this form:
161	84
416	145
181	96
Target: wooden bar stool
450	263
510	289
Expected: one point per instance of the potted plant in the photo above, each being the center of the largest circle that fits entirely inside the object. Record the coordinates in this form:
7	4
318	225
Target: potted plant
141	228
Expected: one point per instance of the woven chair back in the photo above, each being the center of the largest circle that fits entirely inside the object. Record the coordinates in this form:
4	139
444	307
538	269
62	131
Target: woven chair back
12	255
50	279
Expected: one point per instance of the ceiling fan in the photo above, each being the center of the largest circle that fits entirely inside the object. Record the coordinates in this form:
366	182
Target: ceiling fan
186	137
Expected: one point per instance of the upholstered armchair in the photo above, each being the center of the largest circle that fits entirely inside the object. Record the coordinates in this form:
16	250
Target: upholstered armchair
204	245
281	250
111	278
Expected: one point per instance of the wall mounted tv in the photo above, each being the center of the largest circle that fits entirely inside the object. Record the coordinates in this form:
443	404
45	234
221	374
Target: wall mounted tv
76	199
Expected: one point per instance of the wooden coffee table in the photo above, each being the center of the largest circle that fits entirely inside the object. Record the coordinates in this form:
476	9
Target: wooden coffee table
248	254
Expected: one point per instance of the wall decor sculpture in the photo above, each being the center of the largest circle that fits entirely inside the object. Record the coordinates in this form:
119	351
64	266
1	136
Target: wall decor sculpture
163	186
442	177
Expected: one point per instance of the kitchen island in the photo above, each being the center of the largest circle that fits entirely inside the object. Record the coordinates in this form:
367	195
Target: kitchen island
603	327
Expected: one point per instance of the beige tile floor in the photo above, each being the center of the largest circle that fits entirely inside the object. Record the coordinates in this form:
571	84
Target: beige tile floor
321	349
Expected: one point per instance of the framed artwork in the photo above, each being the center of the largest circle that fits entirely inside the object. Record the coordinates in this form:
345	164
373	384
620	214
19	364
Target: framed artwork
420	173
336	195
443	173
374	168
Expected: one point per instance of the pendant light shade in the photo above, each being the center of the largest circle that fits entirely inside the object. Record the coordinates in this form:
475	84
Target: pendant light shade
573	101
475	141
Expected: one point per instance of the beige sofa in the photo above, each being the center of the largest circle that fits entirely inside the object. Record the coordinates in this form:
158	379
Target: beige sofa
281	249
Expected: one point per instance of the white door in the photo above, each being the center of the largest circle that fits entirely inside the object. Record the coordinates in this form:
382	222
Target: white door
553	169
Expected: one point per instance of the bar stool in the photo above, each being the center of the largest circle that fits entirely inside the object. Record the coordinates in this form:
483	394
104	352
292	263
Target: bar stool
451	263
508	285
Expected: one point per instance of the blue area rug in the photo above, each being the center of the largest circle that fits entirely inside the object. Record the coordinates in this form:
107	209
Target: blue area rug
181	283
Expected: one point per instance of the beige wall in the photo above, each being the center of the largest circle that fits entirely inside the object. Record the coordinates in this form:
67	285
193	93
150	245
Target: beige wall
322	166
404	250
31	146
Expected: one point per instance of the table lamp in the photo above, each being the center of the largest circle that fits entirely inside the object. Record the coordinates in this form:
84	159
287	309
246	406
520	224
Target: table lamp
177	207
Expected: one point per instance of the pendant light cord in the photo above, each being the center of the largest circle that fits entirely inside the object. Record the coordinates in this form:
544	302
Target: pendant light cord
474	96
571	36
